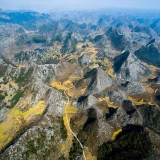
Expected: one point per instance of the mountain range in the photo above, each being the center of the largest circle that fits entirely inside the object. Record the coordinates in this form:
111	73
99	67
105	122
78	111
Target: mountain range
80	85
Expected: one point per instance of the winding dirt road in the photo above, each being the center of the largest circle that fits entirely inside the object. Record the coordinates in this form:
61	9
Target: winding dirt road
65	112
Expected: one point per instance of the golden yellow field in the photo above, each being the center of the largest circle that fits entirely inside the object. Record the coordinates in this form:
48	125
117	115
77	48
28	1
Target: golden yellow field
88	155
106	99
136	102
16	120
114	135
68	113
62	86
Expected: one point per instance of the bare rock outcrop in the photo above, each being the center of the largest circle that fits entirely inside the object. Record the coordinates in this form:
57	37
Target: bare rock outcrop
3	114
98	81
86	102
149	54
84	59
102	54
128	67
133	88
117	96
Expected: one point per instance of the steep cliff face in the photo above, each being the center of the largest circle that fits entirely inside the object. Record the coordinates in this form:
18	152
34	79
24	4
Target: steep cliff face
117	39
87	101
134	88
128	67
146	30
126	22
98	81
156	25
149	54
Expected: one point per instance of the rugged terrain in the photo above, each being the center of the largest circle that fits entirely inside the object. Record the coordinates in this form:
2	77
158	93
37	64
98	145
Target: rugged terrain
79	85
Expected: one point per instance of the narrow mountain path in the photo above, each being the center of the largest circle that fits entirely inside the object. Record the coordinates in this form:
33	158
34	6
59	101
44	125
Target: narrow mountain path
65	112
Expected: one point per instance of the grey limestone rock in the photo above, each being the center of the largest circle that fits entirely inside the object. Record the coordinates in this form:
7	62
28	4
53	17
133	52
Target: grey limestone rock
84	59
52	97
128	67
3	114
102	54
99	81
78	158
126	114
117	96
134	88
87	101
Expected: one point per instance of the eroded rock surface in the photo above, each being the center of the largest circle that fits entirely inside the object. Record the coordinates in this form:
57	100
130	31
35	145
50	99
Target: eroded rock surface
98	81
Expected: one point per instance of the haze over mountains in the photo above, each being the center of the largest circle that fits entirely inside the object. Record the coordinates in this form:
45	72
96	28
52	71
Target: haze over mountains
94	73
48	5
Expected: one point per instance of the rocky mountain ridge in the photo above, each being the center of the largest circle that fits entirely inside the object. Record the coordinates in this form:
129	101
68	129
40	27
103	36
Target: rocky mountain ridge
109	69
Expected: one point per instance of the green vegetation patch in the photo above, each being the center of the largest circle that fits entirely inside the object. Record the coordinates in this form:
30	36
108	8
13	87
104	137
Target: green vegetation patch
90	73
62	158
2	97
34	145
22	56
133	143
39	39
63	129
24	76
98	38
16	97
69	41
117	40
76	150
2	70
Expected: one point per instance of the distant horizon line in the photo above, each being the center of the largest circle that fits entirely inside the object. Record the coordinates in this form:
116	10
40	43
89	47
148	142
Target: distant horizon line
61	9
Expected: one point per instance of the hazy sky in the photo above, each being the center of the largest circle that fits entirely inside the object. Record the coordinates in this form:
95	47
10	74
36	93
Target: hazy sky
47	5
